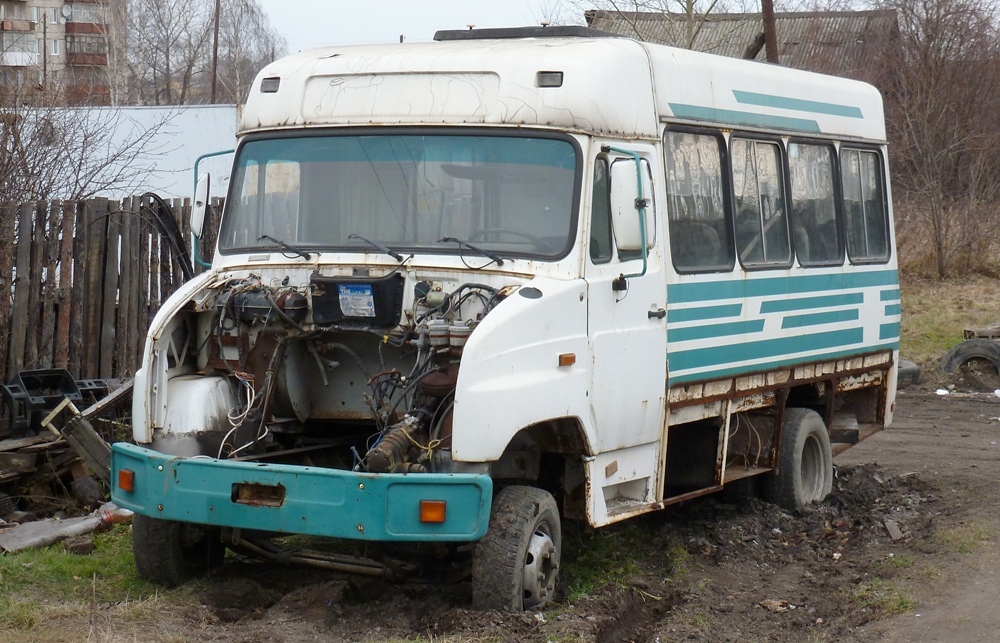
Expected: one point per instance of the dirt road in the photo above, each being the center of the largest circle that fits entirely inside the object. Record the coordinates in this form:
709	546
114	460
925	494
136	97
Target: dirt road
904	549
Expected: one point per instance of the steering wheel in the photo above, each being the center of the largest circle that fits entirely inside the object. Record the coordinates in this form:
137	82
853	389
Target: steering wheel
538	242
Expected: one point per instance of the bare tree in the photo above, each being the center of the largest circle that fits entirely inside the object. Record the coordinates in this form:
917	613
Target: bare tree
71	152
246	43
944	141
169	49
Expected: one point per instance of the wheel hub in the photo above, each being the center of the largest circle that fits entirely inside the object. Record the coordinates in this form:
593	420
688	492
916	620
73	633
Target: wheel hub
540	568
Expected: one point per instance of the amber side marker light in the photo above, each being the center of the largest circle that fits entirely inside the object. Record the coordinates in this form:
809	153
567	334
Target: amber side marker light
432	510
126	480
567	359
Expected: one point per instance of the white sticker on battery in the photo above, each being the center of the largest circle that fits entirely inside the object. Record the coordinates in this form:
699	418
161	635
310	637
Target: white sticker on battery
356	300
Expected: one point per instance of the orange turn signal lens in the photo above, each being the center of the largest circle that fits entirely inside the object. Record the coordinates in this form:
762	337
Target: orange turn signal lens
432	510
567	359
126	480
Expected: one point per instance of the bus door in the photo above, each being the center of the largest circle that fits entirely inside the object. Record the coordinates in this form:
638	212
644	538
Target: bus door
627	304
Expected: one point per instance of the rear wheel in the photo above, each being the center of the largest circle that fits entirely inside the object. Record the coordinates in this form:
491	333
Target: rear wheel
170	552
805	472
516	565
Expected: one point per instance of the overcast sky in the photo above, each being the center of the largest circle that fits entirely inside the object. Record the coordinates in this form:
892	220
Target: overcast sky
306	24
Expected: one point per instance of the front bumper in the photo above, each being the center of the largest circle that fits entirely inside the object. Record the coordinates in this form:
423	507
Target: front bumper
300	500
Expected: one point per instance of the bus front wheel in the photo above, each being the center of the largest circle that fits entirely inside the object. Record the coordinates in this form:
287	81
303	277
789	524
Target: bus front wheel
516	564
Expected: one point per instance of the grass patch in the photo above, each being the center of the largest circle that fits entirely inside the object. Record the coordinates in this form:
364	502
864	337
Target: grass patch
611	556
897	562
882	598
107	575
964	539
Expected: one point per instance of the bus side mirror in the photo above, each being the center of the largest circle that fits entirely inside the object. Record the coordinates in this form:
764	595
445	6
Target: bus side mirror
200	204
627	208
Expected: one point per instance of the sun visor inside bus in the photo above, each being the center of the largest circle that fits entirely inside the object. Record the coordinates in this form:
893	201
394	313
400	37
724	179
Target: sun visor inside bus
378	302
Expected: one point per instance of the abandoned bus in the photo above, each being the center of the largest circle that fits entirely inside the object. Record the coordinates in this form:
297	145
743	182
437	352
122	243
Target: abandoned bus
468	289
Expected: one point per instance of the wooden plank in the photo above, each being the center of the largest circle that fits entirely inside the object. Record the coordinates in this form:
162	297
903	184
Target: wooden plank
136	286
109	293
126	259
145	295
95	240
65	296
77	291
166	270
19	316
49	238
35	287
8	219
177	212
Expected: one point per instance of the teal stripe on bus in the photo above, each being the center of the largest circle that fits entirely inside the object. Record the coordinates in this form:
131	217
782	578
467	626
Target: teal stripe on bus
715	330
888	331
745	351
889	295
893	309
740	288
704	312
815	319
806	303
798	104
736	117
770	366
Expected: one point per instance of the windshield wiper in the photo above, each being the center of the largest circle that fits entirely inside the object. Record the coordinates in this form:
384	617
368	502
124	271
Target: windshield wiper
465	244
378	246
287	248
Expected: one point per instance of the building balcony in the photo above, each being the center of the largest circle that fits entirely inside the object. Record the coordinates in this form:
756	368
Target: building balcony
18	59
86	28
17	25
89	60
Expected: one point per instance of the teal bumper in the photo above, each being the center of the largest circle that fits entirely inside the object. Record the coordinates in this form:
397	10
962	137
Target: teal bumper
300	500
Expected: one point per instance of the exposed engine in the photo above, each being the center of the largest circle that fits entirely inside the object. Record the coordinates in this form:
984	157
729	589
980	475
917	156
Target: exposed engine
297	356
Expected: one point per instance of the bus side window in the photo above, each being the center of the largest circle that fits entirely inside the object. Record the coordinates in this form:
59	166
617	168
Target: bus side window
864	206
759	209
815	233
699	238
600	214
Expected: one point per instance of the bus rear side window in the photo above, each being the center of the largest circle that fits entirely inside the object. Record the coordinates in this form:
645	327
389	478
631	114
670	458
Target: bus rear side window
699	237
864	206
759	207
815	233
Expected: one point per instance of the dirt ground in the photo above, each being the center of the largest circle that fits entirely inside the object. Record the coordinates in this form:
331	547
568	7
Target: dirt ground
904	549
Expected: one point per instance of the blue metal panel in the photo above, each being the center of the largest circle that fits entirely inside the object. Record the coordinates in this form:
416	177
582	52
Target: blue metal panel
312	500
818	319
796	104
705	312
763	287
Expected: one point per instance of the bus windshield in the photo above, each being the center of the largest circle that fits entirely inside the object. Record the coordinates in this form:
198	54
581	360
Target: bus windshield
508	195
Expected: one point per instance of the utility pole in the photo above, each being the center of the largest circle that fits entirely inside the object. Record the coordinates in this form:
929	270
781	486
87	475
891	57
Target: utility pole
215	48
770	32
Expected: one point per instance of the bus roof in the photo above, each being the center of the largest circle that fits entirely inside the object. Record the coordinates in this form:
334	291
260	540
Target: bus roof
574	81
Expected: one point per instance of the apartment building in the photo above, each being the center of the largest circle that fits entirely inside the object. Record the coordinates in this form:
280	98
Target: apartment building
52	51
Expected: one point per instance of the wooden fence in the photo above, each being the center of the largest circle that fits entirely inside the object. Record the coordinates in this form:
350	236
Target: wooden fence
81	281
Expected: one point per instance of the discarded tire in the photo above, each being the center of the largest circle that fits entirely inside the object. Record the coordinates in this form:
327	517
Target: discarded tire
969	350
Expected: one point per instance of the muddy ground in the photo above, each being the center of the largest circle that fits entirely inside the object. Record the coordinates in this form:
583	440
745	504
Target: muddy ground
904	549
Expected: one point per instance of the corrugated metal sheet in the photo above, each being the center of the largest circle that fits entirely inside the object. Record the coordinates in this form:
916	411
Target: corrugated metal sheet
848	43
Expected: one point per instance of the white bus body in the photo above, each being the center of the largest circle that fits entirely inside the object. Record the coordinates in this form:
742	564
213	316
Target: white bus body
521	274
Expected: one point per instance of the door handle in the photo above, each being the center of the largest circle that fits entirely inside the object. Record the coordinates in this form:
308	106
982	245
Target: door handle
659	313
